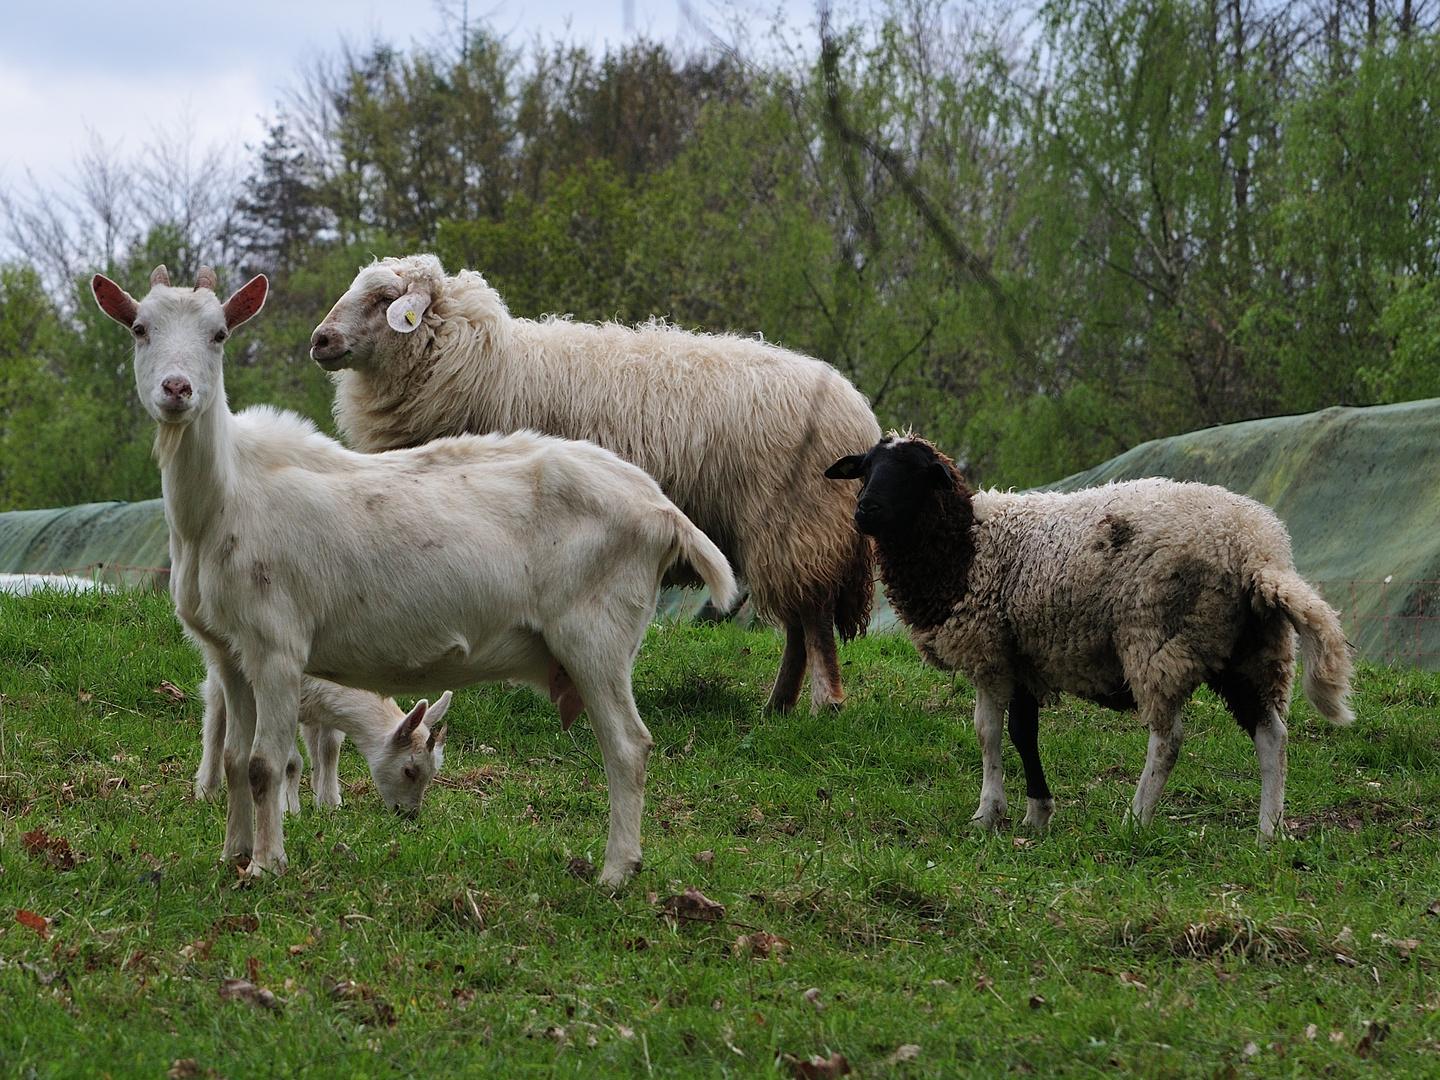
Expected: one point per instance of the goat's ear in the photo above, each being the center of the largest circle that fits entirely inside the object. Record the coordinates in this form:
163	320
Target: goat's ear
849	467
941	476
114	300
404	314
410	723
245	303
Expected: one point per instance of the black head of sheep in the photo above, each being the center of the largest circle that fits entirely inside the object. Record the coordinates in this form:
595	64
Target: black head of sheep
899	475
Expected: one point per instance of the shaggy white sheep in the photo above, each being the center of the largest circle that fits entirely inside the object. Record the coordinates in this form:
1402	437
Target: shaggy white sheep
517	557
736	431
404	751
1130	594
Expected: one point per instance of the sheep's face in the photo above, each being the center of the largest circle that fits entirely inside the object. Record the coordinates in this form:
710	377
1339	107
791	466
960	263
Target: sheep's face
412	758
386	301
179	339
900	475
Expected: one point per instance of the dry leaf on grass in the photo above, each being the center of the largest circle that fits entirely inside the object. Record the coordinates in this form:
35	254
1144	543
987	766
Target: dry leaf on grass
694	906
1037	1001
1404	946
170	690
636	944
1129	978
38	923
812	998
759	945
234	924
704	858
55	850
1375	1033
818	1068
246	991
904	1052
196	950
583	869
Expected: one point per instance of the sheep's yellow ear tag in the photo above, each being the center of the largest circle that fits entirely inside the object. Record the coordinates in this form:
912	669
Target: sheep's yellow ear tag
404	314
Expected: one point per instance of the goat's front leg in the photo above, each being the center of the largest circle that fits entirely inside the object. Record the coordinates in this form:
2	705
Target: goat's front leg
1166	735
1270	739
210	777
239	734
989	727
323	745
277	713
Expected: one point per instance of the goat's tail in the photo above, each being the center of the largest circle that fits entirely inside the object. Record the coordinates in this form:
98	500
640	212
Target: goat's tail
705	558
1323	647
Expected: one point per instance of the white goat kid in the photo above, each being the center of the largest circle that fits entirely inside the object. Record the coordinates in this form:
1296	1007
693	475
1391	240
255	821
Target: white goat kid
405	751
470	559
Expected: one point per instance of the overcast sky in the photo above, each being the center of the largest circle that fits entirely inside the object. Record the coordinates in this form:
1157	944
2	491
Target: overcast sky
120	68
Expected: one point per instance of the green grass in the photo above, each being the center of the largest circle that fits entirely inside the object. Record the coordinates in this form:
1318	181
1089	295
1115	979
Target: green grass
1091	950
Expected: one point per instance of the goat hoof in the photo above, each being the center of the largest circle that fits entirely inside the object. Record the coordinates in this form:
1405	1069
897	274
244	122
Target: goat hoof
1038	814
990	822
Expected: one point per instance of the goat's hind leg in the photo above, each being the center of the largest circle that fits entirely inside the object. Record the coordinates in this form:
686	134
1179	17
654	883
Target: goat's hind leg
989	729
1025	734
210	777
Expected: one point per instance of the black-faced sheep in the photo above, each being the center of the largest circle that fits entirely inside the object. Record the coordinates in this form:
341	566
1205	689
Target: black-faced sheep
737	432
1130	595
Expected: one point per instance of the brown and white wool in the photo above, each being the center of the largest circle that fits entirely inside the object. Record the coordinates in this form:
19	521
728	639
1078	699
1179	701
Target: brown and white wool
1131	595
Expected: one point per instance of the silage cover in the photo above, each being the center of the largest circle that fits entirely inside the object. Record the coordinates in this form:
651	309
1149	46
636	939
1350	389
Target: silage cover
1358	488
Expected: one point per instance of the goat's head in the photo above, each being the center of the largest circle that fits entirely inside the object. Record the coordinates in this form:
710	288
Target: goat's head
900	474
387	300
179	338
412	758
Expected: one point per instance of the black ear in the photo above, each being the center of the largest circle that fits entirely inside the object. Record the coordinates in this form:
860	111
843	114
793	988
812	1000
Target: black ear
941	476
849	467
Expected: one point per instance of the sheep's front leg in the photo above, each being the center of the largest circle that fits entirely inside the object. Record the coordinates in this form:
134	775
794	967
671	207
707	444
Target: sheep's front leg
826	692
786	691
210	777
323	745
277	713
1270	739
1166	735
989	727
1025	734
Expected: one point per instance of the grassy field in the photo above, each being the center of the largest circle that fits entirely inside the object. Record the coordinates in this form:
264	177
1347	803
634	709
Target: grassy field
459	944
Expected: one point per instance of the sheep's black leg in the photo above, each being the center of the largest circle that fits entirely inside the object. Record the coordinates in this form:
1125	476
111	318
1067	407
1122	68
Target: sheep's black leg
1025	735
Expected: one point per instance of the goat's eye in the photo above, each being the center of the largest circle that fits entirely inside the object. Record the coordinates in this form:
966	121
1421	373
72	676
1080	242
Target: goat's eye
220	336
139	331
410	773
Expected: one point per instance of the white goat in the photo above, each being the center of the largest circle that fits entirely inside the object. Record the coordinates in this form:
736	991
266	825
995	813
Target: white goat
518	557
736	431
405	751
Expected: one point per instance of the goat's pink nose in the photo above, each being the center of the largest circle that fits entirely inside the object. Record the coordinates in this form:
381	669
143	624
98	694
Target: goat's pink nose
177	386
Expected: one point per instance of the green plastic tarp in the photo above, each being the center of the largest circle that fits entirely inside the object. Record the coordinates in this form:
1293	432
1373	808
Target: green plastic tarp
1359	490
116	542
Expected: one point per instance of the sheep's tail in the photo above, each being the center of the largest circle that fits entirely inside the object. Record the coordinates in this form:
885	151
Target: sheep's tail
1322	642
706	559
856	594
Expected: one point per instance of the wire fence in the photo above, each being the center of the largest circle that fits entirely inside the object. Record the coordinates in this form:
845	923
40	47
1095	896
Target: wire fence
1390	621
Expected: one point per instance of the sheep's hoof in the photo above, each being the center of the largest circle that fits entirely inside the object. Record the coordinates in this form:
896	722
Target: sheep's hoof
1038	814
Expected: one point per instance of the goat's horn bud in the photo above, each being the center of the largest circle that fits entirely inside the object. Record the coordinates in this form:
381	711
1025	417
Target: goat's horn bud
159	276
206	279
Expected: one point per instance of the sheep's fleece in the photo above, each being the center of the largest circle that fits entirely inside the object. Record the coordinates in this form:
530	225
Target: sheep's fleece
1130	594
736	431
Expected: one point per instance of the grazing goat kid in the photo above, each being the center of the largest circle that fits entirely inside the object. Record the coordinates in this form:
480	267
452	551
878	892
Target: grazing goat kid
404	751
481	558
1130	595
